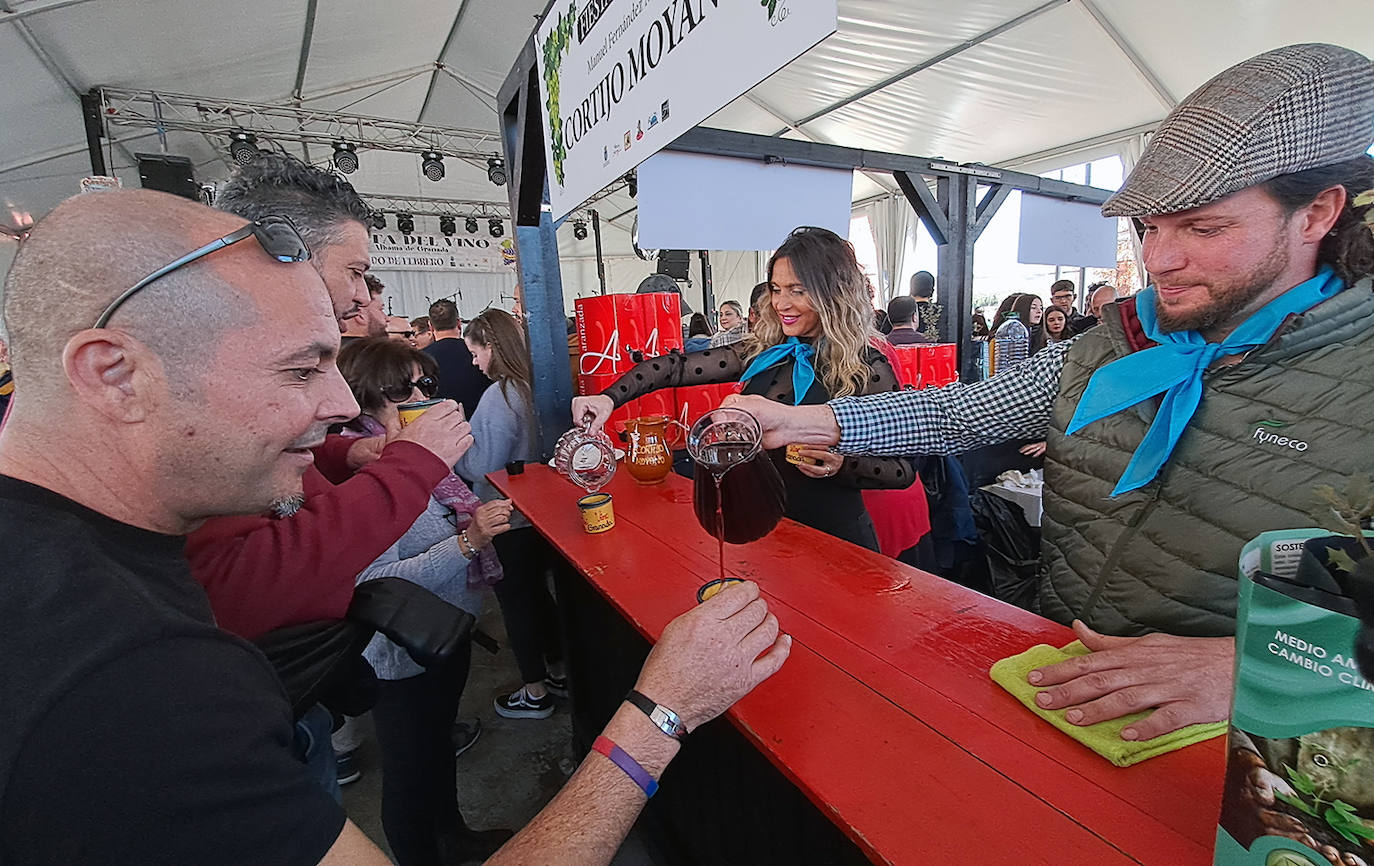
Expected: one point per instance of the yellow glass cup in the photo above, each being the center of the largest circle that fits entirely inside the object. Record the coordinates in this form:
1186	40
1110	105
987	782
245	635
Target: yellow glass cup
597	512
708	590
410	411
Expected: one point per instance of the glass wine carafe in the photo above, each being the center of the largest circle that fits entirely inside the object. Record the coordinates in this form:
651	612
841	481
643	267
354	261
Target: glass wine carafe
738	495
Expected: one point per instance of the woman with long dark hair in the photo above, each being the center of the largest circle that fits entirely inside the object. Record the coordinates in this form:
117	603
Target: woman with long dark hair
812	343
1056	326
503	431
1030	310
448	551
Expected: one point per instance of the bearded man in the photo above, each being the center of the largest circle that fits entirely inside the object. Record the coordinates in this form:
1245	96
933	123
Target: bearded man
1161	460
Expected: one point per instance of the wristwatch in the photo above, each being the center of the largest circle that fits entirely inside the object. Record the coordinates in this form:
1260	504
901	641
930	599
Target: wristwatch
668	721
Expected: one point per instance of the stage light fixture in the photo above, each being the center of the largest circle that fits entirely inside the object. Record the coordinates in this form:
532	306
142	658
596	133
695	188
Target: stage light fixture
379	221
448	226
496	170
243	147
432	164
471	225
495	227
405	223
632	184
580	229
346	156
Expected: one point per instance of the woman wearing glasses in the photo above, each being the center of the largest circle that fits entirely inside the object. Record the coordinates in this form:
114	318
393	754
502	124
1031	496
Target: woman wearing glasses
447	551
502	432
813	342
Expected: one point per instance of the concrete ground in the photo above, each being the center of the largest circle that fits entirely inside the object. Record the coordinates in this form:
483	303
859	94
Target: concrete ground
509	774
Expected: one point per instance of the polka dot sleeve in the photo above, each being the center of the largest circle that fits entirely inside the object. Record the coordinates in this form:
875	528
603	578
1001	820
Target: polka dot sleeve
707	367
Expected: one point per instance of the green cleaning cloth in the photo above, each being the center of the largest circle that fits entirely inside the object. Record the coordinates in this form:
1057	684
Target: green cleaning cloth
1103	737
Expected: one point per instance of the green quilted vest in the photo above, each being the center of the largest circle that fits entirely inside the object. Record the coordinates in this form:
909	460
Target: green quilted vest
1294	413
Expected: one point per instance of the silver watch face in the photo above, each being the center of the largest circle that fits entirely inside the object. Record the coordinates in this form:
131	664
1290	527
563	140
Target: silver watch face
668	721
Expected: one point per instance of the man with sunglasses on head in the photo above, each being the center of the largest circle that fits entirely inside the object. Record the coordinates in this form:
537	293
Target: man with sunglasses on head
133	729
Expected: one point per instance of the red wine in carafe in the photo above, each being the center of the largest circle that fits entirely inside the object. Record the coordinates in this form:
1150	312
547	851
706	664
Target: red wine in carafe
737	502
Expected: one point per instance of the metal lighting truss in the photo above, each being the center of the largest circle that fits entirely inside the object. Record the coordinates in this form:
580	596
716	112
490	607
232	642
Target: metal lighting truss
418	205
436	207
167	112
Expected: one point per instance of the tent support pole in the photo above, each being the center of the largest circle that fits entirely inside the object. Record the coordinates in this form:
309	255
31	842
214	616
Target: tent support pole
536	250
600	259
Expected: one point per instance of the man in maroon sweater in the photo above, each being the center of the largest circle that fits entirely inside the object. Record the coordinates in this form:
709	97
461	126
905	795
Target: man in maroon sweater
298	564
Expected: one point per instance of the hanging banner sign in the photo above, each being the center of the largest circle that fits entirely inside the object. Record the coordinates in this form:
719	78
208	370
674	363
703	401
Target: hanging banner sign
623	78
416	252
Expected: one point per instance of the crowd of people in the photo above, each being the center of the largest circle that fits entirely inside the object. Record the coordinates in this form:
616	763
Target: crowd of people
216	493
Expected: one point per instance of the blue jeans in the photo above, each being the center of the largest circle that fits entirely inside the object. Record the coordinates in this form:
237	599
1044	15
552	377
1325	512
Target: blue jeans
315	751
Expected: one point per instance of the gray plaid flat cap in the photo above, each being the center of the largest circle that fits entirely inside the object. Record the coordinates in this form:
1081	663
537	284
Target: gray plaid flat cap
1294	108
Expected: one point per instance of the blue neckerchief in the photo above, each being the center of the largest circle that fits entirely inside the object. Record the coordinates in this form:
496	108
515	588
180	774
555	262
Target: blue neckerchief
1175	367
803	374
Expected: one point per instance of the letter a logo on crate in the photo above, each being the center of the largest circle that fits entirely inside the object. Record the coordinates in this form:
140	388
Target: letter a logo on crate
608	357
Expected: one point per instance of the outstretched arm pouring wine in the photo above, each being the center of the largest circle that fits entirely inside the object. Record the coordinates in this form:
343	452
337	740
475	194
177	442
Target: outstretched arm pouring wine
784	425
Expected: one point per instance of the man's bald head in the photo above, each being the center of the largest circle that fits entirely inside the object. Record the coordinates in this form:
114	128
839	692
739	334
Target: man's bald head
94	246
1101	297
204	391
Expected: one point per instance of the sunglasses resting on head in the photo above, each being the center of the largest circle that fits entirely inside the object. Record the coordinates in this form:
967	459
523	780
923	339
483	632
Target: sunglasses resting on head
277	235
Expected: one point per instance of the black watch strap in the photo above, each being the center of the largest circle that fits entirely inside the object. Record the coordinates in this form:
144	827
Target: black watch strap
667	721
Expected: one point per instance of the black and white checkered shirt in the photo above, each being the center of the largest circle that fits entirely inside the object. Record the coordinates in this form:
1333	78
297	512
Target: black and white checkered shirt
1014	404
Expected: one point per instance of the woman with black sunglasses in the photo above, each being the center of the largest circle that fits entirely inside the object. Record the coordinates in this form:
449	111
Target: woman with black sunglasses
448	551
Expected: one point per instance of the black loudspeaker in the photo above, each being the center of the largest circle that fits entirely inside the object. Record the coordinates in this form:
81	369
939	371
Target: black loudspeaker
167	173
674	263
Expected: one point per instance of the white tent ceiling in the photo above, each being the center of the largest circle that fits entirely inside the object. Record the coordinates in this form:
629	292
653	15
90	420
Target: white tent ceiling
1023	83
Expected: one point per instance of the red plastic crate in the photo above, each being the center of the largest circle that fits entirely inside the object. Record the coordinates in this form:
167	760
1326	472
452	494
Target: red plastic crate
611	328
939	365
907	363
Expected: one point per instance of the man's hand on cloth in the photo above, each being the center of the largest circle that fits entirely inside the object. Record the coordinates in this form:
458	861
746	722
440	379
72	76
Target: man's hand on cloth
1187	680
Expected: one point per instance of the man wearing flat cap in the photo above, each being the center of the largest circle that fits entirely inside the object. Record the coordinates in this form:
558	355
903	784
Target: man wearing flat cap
1162	460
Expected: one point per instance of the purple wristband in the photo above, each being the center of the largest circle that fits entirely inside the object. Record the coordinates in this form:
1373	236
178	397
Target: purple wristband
622	759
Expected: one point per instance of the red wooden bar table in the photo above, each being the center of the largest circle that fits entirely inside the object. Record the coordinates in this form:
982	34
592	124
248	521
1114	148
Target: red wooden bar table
884	716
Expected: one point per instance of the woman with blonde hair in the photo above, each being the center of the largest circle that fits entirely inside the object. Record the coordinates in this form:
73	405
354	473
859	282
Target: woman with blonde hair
812	343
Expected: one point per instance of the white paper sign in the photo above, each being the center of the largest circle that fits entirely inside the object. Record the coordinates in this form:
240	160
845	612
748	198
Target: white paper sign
621	79
421	252
1058	232
692	201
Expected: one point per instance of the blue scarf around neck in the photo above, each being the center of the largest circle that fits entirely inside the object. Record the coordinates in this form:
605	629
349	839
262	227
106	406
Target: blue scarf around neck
803	373
1175	368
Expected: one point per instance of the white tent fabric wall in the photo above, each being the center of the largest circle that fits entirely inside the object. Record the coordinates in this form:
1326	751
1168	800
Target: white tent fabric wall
1131	151
892	220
